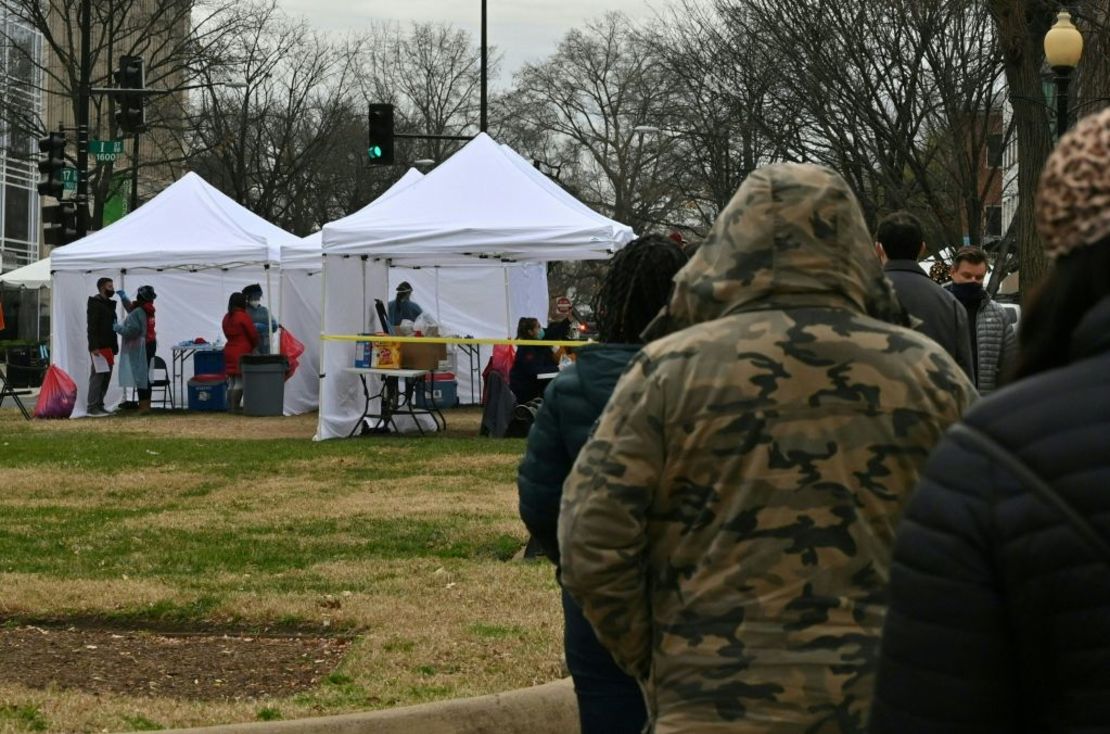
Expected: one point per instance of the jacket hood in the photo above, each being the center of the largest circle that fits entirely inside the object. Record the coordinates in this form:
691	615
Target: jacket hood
599	368
793	236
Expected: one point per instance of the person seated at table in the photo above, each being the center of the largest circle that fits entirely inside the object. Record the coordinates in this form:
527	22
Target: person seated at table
530	363
242	339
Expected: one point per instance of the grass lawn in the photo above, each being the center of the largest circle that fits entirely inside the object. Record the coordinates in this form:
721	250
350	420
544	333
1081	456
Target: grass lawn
194	522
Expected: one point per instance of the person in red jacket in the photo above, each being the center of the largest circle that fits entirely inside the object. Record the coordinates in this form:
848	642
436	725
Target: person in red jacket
242	338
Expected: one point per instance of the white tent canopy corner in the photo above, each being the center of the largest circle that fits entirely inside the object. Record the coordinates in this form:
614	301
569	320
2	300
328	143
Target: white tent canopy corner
33	276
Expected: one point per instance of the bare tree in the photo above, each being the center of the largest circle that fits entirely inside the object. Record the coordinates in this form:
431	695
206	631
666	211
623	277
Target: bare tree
586	102
174	37
270	143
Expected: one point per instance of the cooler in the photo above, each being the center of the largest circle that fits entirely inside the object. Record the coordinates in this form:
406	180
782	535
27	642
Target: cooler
209	362
208	392
443	387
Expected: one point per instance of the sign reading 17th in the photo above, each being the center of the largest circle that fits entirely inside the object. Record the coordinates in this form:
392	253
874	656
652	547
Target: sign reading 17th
105	151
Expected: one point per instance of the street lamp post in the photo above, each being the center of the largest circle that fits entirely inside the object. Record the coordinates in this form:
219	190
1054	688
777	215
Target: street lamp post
1063	47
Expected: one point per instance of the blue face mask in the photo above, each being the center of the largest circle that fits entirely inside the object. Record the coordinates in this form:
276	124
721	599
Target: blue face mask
541	334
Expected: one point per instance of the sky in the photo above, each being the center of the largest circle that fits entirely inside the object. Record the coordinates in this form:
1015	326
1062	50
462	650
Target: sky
524	30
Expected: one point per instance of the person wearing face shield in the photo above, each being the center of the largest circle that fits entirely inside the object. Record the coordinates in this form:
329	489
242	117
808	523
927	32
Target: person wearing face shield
403	308
140	343
993	341
260	315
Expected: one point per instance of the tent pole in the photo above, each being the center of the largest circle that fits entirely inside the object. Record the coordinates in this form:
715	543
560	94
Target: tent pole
366	321
439	318
269	312
320	409
508	314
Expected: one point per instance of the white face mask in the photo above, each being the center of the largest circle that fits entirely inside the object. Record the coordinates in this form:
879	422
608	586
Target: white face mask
253	304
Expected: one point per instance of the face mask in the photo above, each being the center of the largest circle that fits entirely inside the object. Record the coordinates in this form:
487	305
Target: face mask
967	291
541	334
253	303
109	292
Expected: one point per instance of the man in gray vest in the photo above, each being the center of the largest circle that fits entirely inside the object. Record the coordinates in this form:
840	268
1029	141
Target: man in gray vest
900	244
993	340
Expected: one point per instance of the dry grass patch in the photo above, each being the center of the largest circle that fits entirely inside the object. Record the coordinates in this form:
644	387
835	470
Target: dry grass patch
41	596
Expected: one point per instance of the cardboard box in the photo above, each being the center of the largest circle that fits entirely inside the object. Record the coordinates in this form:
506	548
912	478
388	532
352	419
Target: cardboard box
422	356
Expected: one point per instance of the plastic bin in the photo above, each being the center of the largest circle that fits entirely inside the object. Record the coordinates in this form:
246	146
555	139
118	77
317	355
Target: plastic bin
443	387
208	392
263	383
209	362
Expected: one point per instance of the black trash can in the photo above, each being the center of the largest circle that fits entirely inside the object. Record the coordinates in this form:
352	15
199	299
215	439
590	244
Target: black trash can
263	383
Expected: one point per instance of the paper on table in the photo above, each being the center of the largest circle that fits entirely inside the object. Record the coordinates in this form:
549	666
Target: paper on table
100	364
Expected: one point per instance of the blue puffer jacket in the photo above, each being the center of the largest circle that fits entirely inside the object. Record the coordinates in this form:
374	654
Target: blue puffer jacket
571	406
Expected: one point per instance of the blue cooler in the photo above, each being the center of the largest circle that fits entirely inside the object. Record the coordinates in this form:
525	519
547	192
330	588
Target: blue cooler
209	362
208	392
439	385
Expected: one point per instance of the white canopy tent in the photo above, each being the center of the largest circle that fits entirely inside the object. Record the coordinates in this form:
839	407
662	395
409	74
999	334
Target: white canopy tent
478	208
302	263
35	275
193	244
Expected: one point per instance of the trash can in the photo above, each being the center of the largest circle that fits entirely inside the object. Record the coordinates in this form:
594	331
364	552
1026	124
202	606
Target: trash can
263	383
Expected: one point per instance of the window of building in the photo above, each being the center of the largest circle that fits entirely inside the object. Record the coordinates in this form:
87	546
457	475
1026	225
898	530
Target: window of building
17	213
995	150
993	221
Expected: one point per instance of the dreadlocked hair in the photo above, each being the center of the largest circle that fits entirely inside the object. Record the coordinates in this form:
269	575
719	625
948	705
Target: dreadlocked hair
636	287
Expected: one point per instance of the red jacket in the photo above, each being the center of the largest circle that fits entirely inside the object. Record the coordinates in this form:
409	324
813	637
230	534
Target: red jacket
242	338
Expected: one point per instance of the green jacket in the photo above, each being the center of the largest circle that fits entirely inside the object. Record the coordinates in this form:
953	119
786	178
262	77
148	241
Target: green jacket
728	528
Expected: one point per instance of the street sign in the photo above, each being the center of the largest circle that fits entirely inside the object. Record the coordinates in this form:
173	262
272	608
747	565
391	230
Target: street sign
69	179
105	151
563	305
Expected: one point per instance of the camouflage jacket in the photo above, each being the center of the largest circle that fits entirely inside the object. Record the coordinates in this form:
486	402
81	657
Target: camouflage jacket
728	528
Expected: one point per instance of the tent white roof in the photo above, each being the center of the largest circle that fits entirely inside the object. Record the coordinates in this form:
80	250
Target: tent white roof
306	252
478	204
35	275
190	226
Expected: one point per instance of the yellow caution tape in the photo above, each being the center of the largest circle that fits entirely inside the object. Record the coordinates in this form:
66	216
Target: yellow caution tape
450	340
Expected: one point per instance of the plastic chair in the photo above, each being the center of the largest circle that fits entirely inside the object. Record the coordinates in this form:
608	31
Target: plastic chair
6	391
160	380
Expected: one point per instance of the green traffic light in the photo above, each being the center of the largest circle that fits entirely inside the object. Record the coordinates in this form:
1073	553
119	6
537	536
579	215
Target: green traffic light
375	152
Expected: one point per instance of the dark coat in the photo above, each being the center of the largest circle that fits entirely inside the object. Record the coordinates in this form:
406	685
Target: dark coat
999	615
530	362
242	339
571	406
99	317
943	318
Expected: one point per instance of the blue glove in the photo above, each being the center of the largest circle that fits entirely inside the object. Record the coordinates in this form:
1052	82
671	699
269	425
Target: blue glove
117	327
122	294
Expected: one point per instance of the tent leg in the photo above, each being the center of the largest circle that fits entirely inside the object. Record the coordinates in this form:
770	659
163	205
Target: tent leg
508	307
323	347
270	313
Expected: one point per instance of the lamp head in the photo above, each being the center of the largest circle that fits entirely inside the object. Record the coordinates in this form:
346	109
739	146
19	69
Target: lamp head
1063	44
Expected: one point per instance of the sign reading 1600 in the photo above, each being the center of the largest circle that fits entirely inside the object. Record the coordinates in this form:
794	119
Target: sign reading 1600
105	150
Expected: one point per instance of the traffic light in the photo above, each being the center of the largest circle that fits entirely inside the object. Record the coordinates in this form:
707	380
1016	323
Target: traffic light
59	223
381	134
131	115
53	148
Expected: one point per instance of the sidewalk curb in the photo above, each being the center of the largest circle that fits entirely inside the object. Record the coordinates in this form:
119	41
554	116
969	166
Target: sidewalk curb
550	707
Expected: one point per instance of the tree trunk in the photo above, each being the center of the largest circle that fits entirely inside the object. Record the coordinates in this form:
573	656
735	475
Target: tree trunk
1021	25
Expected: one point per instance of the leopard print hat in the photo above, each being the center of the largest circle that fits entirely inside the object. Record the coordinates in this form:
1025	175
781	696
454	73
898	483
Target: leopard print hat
1073	199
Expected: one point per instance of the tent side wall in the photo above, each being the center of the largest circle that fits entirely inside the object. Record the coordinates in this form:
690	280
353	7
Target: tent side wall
301	294
189	305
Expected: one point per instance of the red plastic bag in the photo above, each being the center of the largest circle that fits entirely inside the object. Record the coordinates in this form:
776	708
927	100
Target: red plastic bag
58	395
292	349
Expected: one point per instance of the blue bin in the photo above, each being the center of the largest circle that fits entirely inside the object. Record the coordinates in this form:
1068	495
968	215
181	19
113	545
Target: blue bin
444	388
207	395
209	362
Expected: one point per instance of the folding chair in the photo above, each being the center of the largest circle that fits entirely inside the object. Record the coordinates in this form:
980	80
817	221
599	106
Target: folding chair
7	391
160	380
